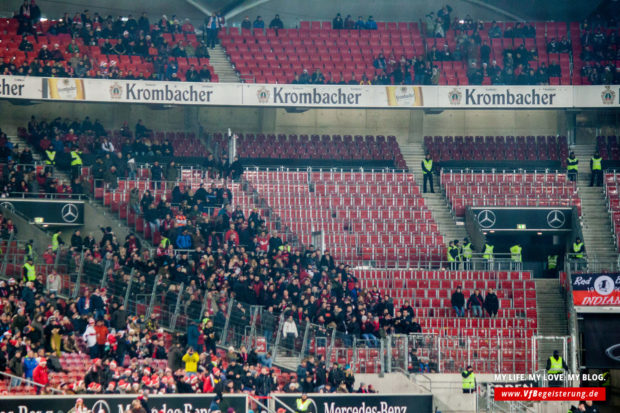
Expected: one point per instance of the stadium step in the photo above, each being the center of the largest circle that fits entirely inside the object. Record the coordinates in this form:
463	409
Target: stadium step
222	66
552	321
598	234
449	227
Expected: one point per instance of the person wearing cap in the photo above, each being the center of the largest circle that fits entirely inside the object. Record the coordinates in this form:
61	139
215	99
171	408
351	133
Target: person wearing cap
556	366
469	380
29	271
40	375
596	166
302	404
572	167
578	250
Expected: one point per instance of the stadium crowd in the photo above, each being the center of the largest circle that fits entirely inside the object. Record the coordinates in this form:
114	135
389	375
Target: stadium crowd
138	36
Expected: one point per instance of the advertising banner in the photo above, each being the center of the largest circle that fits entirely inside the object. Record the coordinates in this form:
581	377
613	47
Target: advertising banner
489	97
523	219
63	212
596	289
601	341
63	89
317	96
181	93
597	96
20	87
364	403
105	403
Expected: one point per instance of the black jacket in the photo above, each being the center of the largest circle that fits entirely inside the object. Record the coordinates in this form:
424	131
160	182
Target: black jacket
458	299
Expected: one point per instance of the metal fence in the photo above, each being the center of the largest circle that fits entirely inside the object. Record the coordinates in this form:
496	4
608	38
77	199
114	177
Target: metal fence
177	305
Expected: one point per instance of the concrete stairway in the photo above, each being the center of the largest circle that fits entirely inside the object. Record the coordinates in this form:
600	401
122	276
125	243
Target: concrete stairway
450	228
222	66
596	227
552	321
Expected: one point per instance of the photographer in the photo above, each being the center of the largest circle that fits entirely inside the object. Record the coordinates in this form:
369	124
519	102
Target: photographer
191	362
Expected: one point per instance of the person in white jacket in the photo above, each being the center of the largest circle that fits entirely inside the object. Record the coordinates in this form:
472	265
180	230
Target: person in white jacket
289	331
90	338
107	146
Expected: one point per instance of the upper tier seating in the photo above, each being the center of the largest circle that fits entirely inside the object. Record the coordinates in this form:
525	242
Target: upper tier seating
497	148
335	147
465	189
364	216
266	57
10	40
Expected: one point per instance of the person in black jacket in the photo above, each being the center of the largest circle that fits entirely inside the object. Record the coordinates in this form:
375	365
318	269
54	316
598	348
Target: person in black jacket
475	304
458	302
491	303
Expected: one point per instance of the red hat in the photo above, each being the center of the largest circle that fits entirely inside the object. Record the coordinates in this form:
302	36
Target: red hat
216	371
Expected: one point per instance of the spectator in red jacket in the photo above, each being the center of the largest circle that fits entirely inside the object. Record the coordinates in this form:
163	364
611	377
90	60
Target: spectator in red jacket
102	335
232	236
40	375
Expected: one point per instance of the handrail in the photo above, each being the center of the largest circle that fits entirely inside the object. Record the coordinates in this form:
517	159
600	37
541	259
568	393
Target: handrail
414	376
29	382
47	195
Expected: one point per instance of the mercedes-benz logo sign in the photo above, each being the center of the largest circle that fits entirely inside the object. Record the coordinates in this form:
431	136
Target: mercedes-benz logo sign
7	205
486	218
69	213
101	406
556	219
611	350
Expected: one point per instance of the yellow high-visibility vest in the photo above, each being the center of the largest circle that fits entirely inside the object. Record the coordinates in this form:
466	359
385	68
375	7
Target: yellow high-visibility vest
469	382
467	251
76	160
51	155
555	366
31	274
571	164
597	164
303	405
55	243
488	251
578	250
428	164
515	253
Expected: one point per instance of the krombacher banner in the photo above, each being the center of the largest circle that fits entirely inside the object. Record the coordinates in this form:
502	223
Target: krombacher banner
309	96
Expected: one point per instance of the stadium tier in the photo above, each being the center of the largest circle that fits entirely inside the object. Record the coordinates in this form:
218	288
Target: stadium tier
356	212
316	147
465	189
497	148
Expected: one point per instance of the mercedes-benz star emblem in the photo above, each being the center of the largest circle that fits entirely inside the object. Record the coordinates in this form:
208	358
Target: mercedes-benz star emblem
486	218
101	406
7	205
69	213
611	350
556	219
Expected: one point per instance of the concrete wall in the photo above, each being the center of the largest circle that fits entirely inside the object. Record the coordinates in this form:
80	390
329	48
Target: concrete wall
410	125
27	231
